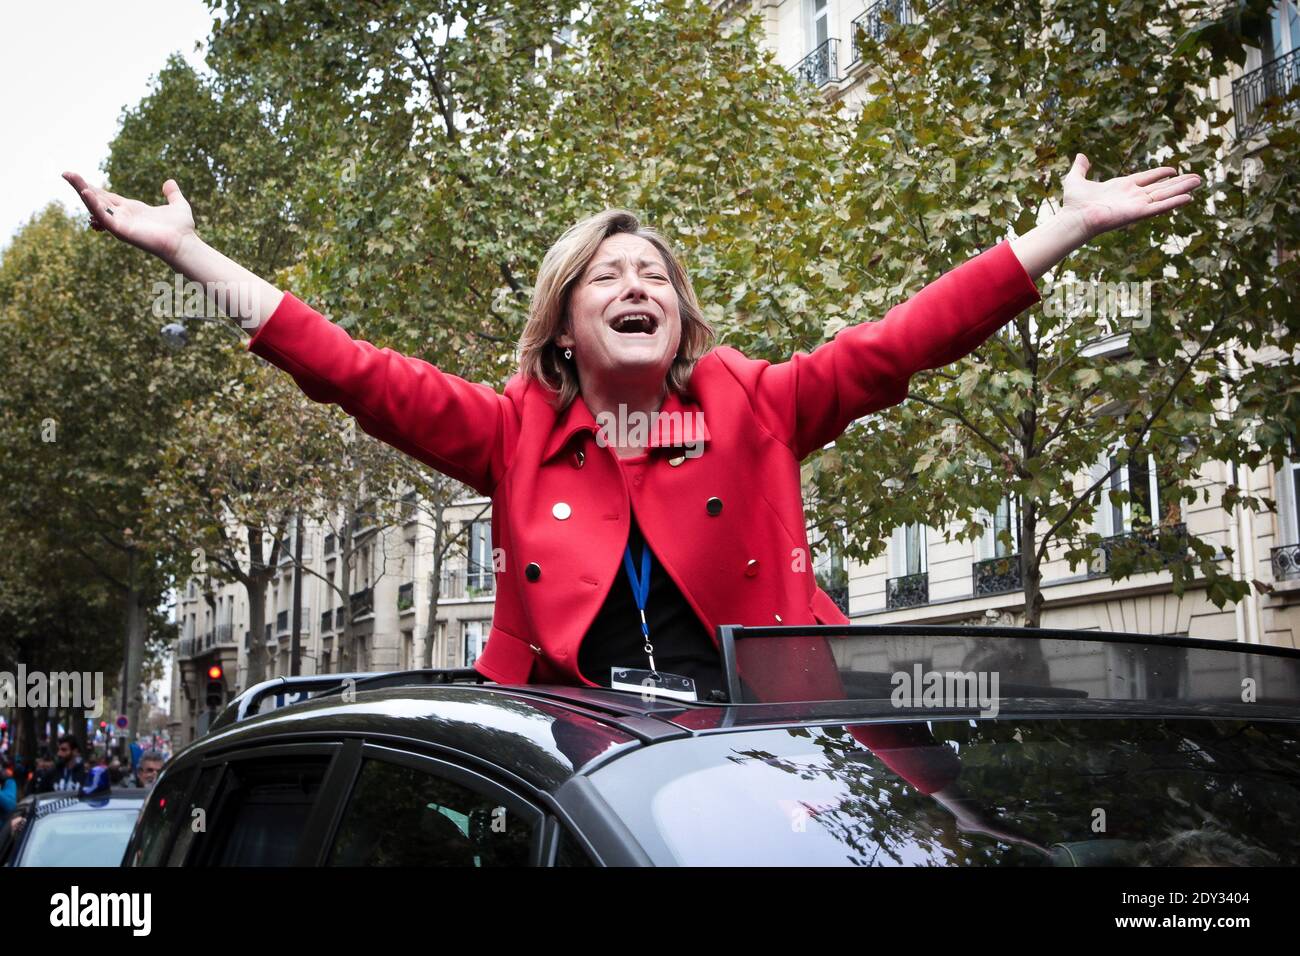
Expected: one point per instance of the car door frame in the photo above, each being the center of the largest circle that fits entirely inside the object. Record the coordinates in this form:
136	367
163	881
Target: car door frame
358	749
225	760
574	810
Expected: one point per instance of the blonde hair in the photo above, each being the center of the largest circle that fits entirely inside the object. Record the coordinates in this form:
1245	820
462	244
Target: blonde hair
564	262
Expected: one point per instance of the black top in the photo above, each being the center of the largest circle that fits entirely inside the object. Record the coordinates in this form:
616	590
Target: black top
681	643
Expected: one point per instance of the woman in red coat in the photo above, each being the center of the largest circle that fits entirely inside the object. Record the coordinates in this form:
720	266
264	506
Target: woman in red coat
645	486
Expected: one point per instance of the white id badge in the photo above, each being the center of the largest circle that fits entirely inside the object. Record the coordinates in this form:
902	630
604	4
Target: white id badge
661	684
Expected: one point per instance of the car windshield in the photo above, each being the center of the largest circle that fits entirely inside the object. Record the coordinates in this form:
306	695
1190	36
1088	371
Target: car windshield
79	838
1046	792
971	667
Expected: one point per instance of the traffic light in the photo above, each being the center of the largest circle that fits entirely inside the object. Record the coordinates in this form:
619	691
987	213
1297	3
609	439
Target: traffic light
216	693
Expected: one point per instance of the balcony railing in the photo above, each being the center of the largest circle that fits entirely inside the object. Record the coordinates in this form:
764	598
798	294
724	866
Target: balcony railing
201	643
458	584
363	521
363	602
821	66
1138	543
908	591
1286	562
874	22
1252	92
283	620
996	575
406	596
287	548
221	634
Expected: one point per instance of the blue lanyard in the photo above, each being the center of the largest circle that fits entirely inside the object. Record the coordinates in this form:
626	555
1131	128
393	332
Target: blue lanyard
640	592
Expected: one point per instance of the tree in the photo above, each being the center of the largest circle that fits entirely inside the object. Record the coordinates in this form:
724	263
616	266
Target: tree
83	408
249	458
973	116
462	154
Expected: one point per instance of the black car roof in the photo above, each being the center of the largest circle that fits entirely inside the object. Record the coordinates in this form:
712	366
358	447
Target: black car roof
545	734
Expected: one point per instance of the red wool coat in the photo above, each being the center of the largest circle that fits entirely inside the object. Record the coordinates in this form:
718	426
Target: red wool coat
727	526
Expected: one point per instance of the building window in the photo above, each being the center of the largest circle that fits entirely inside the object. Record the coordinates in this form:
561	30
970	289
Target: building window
480	556
828	565
910	555
475	635
1005	519
910	583
819	15
1147	498
1282	35
1294	467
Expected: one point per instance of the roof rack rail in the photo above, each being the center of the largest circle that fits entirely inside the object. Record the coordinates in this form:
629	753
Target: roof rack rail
423	677
245	705
321	685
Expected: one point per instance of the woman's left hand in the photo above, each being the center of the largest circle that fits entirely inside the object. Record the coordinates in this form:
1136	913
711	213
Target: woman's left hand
1114	203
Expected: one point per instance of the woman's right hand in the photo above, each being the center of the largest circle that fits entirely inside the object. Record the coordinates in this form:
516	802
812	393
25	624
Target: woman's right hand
160	230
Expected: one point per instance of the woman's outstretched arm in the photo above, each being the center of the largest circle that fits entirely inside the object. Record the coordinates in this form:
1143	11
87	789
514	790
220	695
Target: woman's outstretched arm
455	426
1090	208
809	400
167	232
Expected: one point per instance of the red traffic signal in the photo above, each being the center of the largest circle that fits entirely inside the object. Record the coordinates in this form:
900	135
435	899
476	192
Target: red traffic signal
215	672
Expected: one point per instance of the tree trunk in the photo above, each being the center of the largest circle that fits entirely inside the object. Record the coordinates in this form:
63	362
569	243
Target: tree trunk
295	646
1031	572
256	590
435	588
1033	665
259	576
133	670
346	654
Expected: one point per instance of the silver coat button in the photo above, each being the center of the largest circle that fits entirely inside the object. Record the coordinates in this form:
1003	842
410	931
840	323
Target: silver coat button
561	510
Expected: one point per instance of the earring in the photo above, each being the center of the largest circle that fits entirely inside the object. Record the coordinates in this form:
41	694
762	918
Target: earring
568	353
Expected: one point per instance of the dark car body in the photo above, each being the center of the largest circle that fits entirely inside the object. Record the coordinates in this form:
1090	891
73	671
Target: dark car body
1103	749
62	828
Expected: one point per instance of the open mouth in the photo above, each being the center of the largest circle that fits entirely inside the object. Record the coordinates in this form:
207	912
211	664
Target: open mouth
635	323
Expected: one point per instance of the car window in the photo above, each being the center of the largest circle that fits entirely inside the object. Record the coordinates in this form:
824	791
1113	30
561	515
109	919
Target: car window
78	838
195	818
570	852
262	811
159	818
400	816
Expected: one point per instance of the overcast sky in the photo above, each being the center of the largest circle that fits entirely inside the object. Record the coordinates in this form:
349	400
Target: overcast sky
67	70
